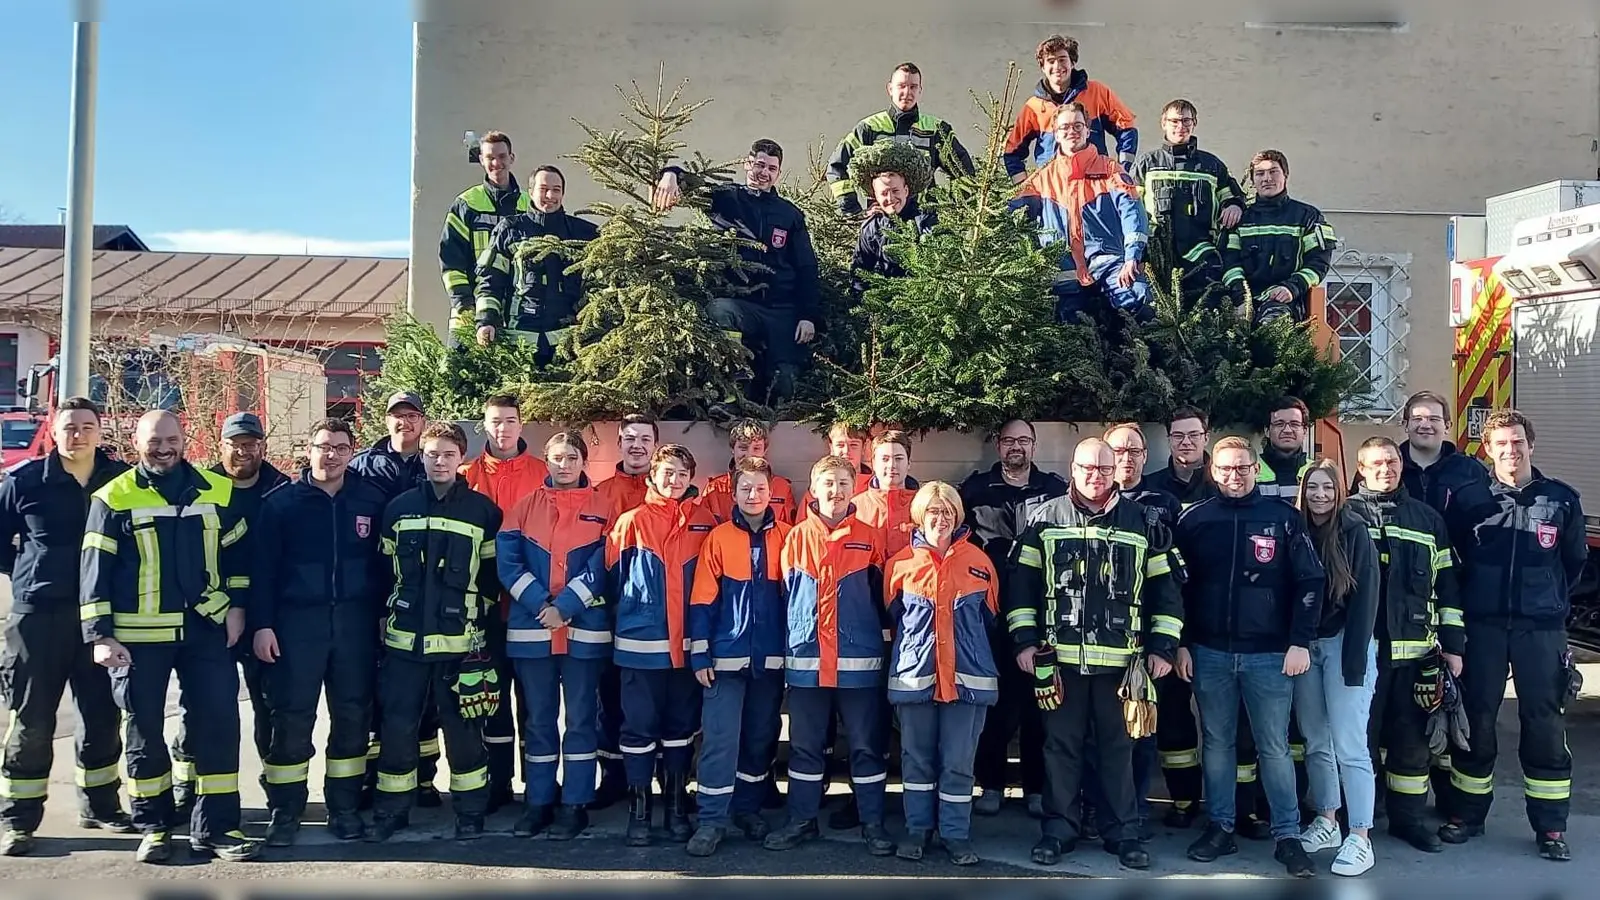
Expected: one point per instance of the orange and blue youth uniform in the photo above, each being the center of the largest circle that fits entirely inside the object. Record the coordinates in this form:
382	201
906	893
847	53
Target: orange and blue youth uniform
651	555
889	511
1033	134
717	498
942	675
738	626
622	492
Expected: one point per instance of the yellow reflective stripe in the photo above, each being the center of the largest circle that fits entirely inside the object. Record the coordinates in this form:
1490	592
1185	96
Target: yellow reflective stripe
353	767
454	222
234	533
1442	560
397	784
223	783
878	121
293	773
439	523
454	279
149	576
182	771
1407	784
1180	759
1094	656
1260	230
1443	763
146	788
1547	789
429	747
1229	277
1029	556
92	778
386	546
1093	533
1297	752
1167	625
477	779
1021	618
24	788
446	643
1197	251
158	620
147	635
842	187
398	638
1450	617
1410	649
486	550
1464	782
214	607
1311	278
94	540
1157	565
373	749
94	610
237	581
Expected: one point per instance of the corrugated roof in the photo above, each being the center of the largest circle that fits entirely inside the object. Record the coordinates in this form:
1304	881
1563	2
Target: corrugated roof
211	283
54	237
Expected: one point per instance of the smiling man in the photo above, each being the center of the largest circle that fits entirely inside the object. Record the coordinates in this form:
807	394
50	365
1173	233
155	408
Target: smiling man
472	219
1281	247
1189	196
904	124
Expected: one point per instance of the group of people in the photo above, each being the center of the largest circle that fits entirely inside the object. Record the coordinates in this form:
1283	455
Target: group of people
1219	246
601	630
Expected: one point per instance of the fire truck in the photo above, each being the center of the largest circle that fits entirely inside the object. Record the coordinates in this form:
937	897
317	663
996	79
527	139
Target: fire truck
202	378
1524	306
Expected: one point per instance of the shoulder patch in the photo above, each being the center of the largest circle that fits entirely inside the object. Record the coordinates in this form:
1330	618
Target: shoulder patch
856	545
978	573
590	517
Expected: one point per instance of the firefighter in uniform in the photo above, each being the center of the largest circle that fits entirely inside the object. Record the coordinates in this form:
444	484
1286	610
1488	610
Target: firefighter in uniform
737	629
472	218
902	123
551	557
43	506
893	175
1522	549
441	537
998	502
520	298
317	588
164	583
1095	593
1187	475
1418	614
1189	197
1280	249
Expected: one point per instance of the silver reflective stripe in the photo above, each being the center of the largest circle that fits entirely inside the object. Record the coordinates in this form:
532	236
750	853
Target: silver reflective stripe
629	645
802	776
579	757
753	779
699	646
846	664
542	759
715	791
200	509
978	682
916	786
521	584
731	664
954	798
869	779
913	683
585	636
774	662
577	586
527	636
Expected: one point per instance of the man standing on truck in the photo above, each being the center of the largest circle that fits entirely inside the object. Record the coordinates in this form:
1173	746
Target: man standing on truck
902	123
1065	83
1521	540
1281	247
472	219
43	507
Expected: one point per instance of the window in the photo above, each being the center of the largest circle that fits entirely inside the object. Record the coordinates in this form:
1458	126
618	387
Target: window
1368	298
8	370
348	366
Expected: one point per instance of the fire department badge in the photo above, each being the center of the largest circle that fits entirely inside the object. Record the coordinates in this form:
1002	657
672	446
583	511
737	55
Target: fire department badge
363	526
1546	532
1266	547
779	238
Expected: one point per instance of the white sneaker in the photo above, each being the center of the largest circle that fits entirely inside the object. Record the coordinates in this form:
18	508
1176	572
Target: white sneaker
1355	856
1321	834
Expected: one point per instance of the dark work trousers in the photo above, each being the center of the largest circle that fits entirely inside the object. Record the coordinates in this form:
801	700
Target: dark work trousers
330	648
1015	710
611	722
404	688
427	736
767	331
938	742
1534	658
739	723
1178	741
660	710
255	684
500	730
209	698
861	716
44	652
1146	760
548	684
1090	708
1399	727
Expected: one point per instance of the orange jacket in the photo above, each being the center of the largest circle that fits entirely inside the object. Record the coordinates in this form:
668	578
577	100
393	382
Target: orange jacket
1035	126
737	615
889	511
834	579
622	492
717	498
505	481
551	551
863	481
943	608
651	556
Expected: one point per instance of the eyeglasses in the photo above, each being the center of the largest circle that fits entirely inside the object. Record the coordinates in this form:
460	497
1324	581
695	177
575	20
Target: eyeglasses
1016	442
1188	437
1073	128
1288	426
333	449
1234	470
1127	451
1103	470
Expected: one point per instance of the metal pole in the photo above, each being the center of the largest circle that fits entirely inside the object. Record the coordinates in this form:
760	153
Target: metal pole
76	309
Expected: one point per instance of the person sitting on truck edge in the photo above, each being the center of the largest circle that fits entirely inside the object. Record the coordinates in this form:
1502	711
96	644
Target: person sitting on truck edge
1280	249
904	124
472	219
524	299
894	176
774	321
1063	83
1084	199
1190	197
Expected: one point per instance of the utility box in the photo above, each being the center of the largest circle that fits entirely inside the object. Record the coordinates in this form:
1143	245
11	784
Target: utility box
1502	213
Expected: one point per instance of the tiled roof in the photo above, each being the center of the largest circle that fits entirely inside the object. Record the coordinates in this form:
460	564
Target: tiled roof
211	283
54	237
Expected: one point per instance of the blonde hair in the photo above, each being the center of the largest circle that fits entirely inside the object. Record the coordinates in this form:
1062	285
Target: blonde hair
1234	443
830	464
933	493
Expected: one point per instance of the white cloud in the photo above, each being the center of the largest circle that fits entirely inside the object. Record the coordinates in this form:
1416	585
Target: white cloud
273	242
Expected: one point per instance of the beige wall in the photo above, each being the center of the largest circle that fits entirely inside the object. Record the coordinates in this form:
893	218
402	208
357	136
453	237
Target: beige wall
1433	119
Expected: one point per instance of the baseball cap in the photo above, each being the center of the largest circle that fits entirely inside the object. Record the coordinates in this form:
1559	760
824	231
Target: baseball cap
243	425
403	398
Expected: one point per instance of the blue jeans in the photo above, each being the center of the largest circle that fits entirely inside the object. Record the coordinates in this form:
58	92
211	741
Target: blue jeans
1220	681
1333	718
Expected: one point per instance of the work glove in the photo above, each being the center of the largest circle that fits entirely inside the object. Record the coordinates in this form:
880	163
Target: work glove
1138	695
477	687
1454	712
1572	680
1428	687
1046	680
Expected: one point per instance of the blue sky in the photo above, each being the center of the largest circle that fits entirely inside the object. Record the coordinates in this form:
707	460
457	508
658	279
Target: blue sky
222	126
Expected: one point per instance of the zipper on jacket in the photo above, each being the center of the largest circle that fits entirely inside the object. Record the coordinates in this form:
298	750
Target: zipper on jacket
1233	575
333	577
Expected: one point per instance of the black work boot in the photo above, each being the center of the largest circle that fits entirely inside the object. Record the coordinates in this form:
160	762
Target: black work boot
1553	846
569	823
792	835
282	829
705	841
1212	843
639	812
534	820
678	825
